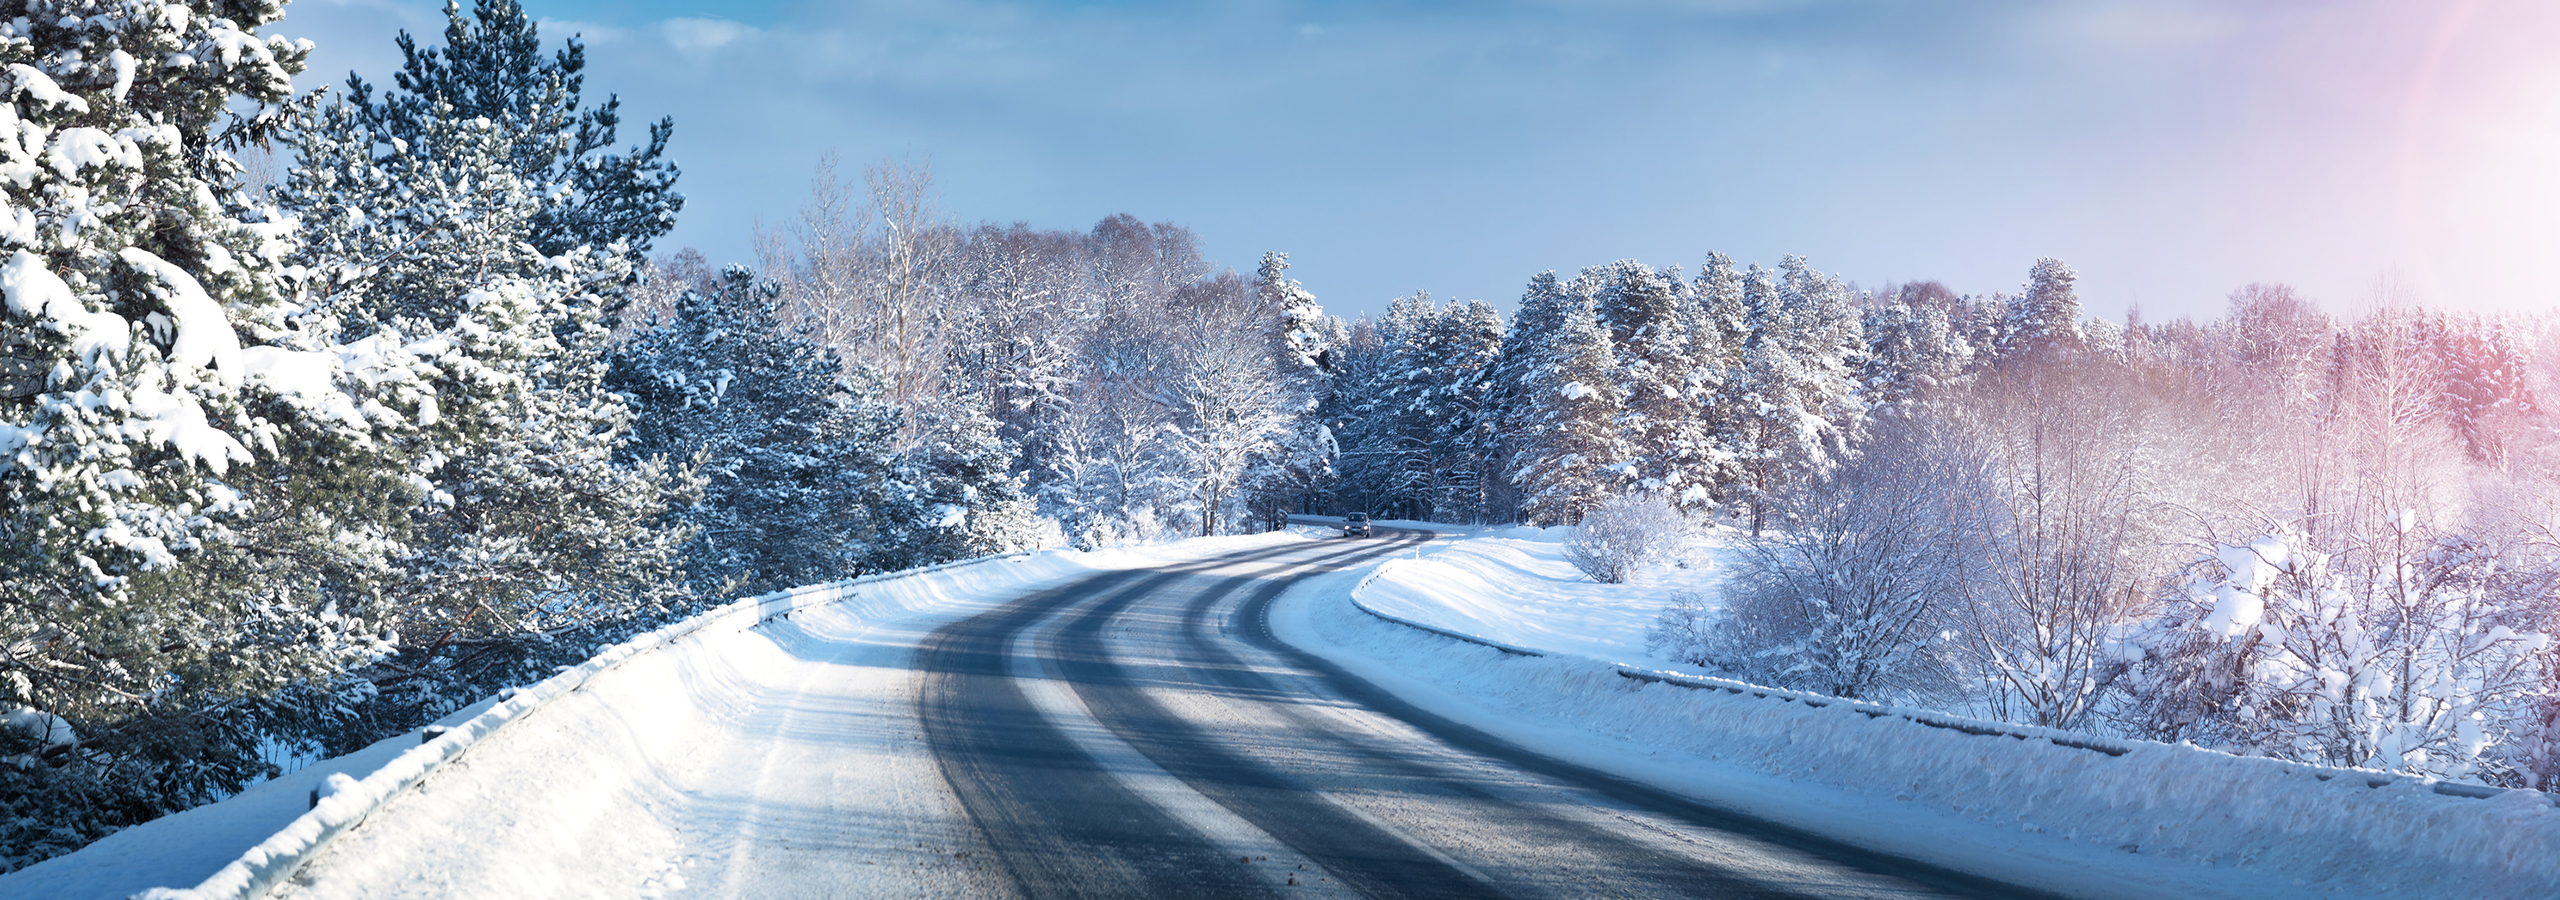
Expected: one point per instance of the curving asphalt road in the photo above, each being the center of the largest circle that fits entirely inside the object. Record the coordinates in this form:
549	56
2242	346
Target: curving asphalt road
1142	734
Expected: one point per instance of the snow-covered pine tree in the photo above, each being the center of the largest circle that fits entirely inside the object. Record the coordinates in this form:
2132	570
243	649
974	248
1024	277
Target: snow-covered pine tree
2486	394
533	530
1464	345
1723	317
1567	453
1797	407
123	408
1418	422
161	415
1828	340
1289	477
492	67
1297	477
1532	328
1367	373
1387	465
1304	336
1650	315
1747	419
1720	334
957	497
2046	317
1910	350
759	411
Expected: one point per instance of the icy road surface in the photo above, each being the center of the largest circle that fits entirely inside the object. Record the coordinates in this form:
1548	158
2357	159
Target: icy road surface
1134	733
1143	735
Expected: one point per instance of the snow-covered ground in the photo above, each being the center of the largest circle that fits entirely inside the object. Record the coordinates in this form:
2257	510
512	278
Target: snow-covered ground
1513	586
2160	821
610	759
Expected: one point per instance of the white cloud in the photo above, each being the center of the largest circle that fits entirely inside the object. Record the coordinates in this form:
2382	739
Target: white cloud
589	33
2132	27
696	38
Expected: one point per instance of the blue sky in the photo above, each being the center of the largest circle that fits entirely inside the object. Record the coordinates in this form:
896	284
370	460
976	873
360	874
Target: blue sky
2170	150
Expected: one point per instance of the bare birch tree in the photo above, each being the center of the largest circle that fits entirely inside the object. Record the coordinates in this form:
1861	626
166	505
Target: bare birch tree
875	271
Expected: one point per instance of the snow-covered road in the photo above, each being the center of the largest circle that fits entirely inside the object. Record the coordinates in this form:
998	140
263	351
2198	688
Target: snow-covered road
1128	733
1144	735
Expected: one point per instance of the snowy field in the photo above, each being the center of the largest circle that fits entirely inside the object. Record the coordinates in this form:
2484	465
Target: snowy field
2160	821
622	762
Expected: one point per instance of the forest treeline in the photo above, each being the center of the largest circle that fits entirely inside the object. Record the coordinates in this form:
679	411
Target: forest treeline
301	454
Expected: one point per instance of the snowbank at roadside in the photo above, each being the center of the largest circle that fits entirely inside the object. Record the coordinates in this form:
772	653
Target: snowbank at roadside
235	847
1513	586
2156	821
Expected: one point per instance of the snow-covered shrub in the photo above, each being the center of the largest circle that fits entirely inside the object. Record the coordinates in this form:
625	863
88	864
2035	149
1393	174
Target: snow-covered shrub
1044	533
2414	655
1850	599
1686	630
1626	534
2066	475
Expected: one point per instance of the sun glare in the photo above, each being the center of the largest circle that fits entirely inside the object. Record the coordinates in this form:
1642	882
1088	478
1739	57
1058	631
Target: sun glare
2478	161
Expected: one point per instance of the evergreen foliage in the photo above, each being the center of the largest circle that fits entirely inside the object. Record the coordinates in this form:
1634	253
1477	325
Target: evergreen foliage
527	507
160	415
764	418
128	409
1569	453
1418	422
1304	336
492	69
525	535
1665	355
2046	317
956	498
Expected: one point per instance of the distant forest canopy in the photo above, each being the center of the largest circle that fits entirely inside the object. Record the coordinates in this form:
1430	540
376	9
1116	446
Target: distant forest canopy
291	463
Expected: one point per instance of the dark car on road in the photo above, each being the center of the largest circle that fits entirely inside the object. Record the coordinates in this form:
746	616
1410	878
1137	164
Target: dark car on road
1355	525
